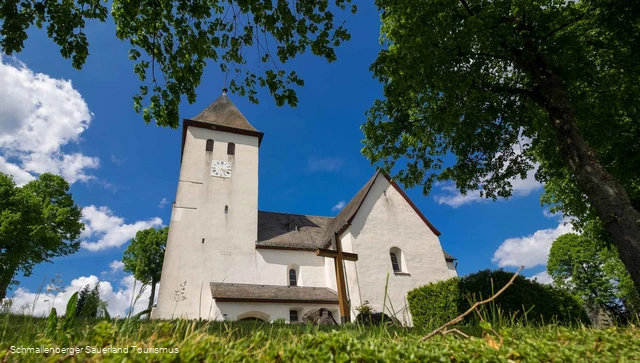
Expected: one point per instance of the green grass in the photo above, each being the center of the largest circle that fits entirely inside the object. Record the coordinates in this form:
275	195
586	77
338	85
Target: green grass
259	342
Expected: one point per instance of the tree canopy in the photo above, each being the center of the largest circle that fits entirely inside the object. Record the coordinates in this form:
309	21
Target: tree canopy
590	269
144	257
172	41
38	222
508	86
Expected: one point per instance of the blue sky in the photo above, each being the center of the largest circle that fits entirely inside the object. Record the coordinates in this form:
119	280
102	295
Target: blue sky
124	172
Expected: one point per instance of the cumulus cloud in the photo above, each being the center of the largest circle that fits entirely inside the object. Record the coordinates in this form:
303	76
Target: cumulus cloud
119	298
116	266
531	250
316	164
449	195
38	116
338	206
542	277
110	230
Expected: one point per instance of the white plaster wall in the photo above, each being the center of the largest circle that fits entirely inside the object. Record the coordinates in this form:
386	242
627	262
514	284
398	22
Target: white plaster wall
273	267
231	310
228	249
386	220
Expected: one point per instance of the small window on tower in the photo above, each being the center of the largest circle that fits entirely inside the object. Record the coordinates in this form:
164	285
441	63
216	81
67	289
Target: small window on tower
231	148
293	316
209	145
226	209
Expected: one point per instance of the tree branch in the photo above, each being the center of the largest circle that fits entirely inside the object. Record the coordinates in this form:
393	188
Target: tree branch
474	307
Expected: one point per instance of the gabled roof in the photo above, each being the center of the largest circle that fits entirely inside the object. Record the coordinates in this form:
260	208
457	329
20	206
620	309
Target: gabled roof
316	232
348	213
273	231
221	115
225	292
223	112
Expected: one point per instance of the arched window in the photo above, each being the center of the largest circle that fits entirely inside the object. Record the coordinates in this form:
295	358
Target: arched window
394	262
293	279
231	148
209	145
397	261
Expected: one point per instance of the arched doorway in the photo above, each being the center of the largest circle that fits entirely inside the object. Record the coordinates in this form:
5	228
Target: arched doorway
253	316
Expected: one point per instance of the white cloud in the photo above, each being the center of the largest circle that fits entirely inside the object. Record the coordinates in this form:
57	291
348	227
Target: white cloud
111	231
451	196
324	164
542	277
163	202
338	206
116	266
531	250
38	116
119	299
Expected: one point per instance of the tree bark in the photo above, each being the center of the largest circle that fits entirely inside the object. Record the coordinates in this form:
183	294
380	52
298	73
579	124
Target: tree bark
152	297
6	275
605	194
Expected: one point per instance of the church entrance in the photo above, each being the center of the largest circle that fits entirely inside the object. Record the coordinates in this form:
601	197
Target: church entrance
253	316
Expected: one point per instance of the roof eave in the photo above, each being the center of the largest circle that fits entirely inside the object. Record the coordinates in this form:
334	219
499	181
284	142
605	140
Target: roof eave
209	126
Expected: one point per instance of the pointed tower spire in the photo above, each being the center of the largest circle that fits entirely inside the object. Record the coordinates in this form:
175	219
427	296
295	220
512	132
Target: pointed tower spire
222	112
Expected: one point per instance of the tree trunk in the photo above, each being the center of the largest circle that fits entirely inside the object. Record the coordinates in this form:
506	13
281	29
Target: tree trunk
152	297
605	194
5	280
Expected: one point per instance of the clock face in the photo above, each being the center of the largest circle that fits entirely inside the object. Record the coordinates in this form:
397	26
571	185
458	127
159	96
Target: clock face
221	169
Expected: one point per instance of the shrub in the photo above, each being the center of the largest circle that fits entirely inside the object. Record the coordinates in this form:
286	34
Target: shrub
435	304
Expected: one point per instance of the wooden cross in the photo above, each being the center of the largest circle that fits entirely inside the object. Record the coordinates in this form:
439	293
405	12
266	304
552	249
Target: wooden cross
338	256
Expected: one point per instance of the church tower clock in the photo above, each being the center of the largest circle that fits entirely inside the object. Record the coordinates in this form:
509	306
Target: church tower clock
215	215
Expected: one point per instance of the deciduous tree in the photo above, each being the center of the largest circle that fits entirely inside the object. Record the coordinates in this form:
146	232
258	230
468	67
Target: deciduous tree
590	269
38	222
172	41
507	86
144	257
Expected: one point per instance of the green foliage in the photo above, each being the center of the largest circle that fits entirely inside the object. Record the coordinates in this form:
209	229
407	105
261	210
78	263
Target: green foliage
508	87
437	303
365	308
172	41
591	270
38	222
89	304
144	257
247	342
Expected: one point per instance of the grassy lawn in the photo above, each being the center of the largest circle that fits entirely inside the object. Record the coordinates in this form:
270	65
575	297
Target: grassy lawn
257	342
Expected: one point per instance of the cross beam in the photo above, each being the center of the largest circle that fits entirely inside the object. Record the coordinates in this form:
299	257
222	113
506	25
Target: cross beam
338	256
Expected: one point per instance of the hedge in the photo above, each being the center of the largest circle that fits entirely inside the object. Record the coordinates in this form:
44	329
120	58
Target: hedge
434	304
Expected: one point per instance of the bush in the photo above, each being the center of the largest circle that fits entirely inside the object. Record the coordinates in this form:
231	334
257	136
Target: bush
434	304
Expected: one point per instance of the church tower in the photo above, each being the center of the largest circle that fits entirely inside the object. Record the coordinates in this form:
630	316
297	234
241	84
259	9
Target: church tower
214	220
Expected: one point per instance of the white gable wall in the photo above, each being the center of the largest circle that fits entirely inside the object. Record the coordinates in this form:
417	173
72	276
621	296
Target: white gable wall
386	220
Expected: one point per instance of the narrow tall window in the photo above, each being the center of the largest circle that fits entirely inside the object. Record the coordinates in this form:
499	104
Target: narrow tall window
394	262
209	145
293	316
226	209
293	280
231	148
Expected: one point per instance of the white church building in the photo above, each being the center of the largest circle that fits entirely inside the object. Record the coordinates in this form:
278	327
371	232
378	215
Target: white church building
227	260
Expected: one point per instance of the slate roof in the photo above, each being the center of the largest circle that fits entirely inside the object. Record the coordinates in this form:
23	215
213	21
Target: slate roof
227	292
223	112
349	211
273	230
